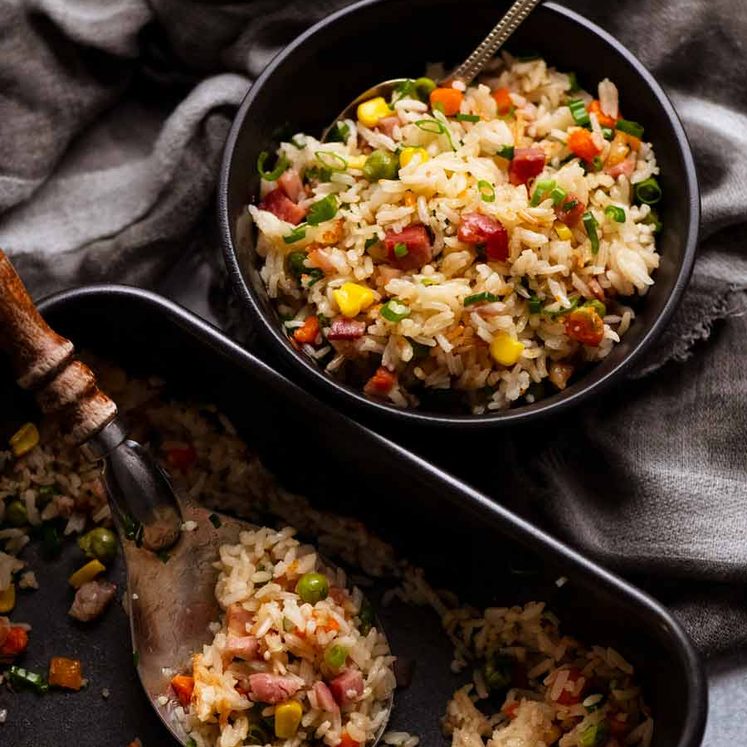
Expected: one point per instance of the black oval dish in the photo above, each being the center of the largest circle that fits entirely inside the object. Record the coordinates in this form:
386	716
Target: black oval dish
325	68
461	538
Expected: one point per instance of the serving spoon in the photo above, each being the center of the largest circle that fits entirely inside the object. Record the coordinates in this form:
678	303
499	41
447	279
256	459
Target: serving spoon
170	573
465	73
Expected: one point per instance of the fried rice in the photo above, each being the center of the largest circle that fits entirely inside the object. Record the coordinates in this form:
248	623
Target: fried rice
494	249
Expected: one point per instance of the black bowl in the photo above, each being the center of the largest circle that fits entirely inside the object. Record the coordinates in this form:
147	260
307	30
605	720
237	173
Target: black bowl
318	74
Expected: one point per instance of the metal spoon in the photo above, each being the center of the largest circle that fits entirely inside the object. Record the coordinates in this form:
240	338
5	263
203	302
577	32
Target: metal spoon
466	72
171	600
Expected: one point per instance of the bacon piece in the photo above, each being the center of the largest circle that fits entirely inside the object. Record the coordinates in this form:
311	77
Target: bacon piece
242	647
347	687
477	228
324	698
278	203
418	245
346	329
387	125
273	688
570	210
237	618
626	168
290	182
525	165
91	600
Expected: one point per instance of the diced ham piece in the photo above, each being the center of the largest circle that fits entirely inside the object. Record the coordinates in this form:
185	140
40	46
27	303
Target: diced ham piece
91	600
237	618
242	647
570	210
387	125
290	182
273	688
278	203
324	698
477	228
525	165
418	244
626	168
347	687
346	329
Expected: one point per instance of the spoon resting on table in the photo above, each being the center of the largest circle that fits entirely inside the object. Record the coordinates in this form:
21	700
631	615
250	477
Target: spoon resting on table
171	604
464	74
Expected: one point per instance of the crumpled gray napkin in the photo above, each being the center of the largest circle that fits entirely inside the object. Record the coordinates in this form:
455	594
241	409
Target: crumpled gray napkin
112	121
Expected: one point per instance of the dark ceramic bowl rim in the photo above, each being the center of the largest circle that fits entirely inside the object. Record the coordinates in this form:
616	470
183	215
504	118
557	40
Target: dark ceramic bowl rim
271	329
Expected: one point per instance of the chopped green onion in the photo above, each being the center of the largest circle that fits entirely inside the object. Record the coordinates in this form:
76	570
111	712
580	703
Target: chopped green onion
395	311
487	191
367	615
438	107
281	165
371	242
215	520
578	110
557	195
321	210
320	173
573	82
427	282
507	152
339	132
298	233
648	191
569	205
542	189
630	128
313	276
483	297
20	677
535	304
616	213
467	117
597	163
598	306
435	127
400	250
575	301
190	742
652	219
608	133
424	86
296	144
297	263
330	160
590	224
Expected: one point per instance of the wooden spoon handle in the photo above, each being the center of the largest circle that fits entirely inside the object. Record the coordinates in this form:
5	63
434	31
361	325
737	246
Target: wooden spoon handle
43	361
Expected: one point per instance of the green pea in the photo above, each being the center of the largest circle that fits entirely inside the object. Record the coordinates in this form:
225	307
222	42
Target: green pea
335	656
312	587
45	493
99	543
424	86
381	165
498	672
16	514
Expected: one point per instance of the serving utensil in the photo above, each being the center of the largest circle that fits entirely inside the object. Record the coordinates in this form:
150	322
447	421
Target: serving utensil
170	573
465	73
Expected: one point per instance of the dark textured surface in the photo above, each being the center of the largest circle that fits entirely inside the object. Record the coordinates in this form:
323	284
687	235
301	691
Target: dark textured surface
460	538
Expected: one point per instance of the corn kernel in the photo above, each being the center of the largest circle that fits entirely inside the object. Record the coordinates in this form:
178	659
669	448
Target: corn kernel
8	599
370	112
353	298
24	439
356	162
86	573
409	153
564	233
505	349
287	719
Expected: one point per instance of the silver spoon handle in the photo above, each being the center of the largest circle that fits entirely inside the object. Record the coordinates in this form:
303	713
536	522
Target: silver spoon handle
498	36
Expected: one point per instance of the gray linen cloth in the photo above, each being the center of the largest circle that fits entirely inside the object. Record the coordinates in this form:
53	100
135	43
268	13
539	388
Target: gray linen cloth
112	120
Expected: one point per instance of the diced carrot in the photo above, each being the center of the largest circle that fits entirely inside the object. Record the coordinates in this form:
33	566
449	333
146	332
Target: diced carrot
581	143
65	673
183	685
633	141
307	334
604	120
347	741
381	382
449	98
502	98
16	642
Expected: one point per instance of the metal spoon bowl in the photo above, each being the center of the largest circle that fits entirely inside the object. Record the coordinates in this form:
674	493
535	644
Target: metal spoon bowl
171	574
465	73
